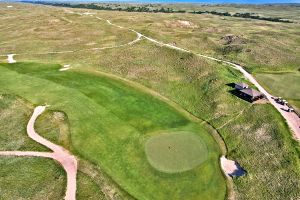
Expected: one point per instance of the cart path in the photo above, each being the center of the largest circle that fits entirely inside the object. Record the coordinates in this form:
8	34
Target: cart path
59	154
292	119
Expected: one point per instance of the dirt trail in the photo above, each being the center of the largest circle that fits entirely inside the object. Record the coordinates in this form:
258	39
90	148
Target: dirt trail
59	154
292	119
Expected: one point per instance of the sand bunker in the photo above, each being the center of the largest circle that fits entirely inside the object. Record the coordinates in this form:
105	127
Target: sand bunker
10	58
65	67
231	168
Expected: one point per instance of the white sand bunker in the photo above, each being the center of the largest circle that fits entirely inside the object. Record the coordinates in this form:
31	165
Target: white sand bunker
231	168
65	67
10	58
9	6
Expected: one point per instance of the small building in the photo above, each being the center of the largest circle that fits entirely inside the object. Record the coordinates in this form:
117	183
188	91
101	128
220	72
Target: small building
251	94
241	86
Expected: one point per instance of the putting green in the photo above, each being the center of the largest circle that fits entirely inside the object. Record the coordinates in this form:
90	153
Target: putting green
175	152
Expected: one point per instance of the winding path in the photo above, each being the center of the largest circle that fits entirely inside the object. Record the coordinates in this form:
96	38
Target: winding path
59	154
292	119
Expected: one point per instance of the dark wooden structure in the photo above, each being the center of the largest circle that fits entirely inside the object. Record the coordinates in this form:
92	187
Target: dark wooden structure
241	86
251	94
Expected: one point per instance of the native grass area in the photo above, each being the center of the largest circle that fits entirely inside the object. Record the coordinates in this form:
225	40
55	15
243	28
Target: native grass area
111	143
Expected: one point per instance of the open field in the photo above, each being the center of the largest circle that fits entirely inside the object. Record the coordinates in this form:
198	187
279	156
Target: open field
255	44
284	11
256	135
51	32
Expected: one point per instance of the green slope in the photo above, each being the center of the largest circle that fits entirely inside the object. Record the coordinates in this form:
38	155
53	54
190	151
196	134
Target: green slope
109	123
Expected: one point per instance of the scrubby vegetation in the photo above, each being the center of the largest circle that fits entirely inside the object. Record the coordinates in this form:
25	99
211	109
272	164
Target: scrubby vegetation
147	8
31	178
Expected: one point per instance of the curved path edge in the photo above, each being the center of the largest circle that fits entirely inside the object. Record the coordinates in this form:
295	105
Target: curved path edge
68	161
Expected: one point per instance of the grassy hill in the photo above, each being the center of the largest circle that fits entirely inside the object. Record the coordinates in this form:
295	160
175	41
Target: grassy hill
256	135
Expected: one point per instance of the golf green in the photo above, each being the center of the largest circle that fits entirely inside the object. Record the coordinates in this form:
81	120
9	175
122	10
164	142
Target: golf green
175	152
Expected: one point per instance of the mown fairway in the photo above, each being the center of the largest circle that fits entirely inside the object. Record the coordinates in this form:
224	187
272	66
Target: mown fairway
286	85
109	124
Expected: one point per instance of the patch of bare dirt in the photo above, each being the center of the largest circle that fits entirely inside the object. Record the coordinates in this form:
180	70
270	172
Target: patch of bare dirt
233	39
180	24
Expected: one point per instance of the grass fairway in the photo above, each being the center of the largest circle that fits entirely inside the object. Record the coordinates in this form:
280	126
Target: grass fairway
109	122
175	151
286	85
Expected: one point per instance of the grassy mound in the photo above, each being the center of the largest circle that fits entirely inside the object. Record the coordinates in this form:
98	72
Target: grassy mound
175	152
109	121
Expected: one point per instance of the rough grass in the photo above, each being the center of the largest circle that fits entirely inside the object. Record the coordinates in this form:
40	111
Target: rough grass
273	164
55	31
175	151
88	189
14	116
108	125
31	178
266	45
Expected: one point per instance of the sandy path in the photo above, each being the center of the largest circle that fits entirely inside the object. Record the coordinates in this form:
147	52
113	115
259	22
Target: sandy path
59	154
10	58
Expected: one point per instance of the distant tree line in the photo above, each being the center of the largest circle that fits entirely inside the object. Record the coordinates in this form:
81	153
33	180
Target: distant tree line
146	8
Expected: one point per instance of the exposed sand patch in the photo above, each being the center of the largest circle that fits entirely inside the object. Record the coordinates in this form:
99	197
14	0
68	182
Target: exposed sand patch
231	168
180	24
10	58
65	67
9	6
